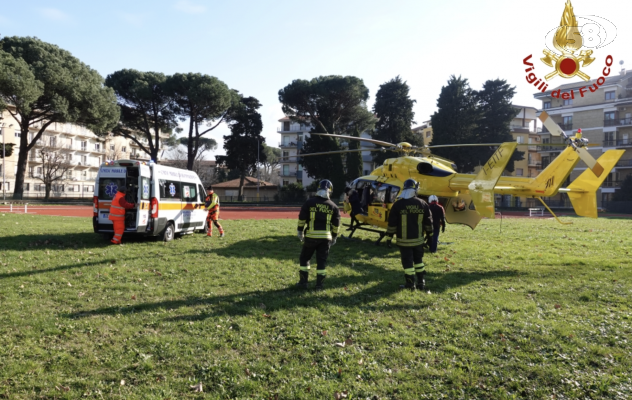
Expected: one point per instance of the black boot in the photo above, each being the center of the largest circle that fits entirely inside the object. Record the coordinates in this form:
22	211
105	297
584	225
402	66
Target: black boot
421	281
302	283
319	281
410	282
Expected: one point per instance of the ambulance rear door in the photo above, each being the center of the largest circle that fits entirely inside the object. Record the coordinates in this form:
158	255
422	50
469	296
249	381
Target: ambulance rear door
144	196
108	182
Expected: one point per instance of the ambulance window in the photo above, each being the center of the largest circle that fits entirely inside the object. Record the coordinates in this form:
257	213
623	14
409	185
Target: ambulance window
144	190
189	192
169	190
202	193
109	186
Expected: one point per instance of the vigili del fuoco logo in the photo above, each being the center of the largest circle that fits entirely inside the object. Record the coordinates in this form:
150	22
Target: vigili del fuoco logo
575	41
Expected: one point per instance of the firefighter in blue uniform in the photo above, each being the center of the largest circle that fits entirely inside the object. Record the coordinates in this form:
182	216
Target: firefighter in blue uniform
318	226
410	219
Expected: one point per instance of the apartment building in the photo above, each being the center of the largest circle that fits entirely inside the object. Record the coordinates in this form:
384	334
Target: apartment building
293	135
425	131
605	118
82	151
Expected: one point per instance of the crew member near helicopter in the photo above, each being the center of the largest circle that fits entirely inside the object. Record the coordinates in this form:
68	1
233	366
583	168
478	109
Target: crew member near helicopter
438	221
354	201
410	219
117	213
318	226
211	203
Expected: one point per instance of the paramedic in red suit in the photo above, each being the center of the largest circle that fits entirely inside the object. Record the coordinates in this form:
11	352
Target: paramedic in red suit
117	213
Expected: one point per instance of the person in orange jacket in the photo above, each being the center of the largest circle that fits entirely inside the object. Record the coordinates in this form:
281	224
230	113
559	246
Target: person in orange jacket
211	203
117	213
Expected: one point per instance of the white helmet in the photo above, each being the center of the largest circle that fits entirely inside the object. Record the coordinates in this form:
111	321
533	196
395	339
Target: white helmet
433	198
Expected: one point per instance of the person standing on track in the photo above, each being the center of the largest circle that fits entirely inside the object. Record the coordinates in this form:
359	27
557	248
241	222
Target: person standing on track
438	221
410	218
117	213
321	217
211	203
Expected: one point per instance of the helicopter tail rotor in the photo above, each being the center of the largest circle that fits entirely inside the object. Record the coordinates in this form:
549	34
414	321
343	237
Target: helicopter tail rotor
577	143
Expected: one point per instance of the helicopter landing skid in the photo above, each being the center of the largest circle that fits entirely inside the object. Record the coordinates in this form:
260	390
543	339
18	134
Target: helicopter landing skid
361	227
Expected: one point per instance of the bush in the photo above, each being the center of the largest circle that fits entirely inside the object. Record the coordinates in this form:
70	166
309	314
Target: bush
292	192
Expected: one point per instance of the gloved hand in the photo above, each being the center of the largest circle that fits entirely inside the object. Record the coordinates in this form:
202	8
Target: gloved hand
300	235
333	241
443	229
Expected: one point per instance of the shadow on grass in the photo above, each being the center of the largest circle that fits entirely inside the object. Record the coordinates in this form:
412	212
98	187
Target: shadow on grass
339	291
60	268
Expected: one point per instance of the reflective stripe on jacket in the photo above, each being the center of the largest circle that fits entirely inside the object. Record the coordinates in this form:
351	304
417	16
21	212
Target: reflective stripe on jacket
116	209
409	219
211	203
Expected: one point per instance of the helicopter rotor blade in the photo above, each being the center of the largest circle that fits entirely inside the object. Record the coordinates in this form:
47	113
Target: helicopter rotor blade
463	145
378	142
332	152
553	128
590	161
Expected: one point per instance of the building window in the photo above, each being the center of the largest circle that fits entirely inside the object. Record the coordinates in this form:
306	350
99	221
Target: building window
609	95
568	102
608	118
568	123
428	134
111	147
519	139
26	187
286	170
16	133
286	125
546	105
84	145
518	171
285	183
39	170
124	149
97	146
53	141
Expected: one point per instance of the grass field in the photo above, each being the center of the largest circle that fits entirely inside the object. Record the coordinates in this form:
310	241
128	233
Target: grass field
539	310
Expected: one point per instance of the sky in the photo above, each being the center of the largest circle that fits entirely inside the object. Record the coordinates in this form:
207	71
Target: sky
259	47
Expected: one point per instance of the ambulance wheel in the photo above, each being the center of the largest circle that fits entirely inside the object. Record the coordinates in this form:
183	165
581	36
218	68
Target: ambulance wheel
169	232
204	228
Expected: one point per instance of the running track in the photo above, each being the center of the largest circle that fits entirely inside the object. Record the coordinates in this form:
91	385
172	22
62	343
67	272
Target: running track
225	213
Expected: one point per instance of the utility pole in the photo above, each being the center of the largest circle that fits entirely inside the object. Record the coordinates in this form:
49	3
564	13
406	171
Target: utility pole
258	180
4	167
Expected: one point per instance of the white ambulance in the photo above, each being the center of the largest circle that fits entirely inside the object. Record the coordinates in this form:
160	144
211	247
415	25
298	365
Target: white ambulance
168	200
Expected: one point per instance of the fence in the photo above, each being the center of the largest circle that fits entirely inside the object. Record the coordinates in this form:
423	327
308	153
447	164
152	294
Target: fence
623	207
53	196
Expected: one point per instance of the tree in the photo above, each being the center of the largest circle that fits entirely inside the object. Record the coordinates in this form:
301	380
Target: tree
394	109
467	116
494	103
55	167
8	150
202	99
180	159
291	193
455	122
272	161
45	84
625	193
147	108
333	105
245	141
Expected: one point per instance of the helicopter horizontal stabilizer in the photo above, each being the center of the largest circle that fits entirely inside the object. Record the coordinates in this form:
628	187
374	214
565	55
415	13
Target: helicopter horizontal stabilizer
583	191
482	187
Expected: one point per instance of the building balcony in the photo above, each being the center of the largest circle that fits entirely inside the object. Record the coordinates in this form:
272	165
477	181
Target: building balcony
288	174
294	128
291	145
617	122
535	164
550	148
617	143
624	164
611	184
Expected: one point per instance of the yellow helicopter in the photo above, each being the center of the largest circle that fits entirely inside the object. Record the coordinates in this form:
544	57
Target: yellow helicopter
467	198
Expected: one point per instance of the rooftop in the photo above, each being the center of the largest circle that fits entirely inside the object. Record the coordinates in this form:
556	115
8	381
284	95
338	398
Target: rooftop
249	182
